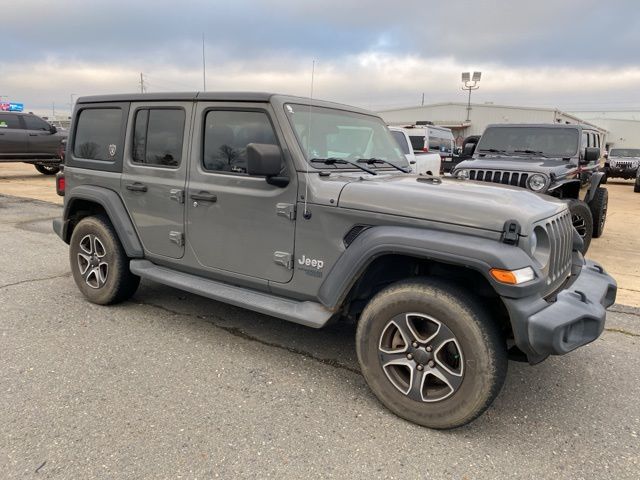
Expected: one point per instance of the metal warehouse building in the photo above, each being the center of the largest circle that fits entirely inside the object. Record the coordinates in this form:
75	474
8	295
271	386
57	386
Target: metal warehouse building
454	116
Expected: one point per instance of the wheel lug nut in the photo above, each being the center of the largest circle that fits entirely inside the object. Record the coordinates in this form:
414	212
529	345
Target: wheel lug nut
414	344
431	363
420	367
409	356
429	348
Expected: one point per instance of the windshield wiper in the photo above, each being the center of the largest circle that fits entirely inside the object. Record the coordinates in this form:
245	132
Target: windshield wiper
342	161
373	161
492	150
531	152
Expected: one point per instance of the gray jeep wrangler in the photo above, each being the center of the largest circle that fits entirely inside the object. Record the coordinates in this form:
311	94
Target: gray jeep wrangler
303	210
560	160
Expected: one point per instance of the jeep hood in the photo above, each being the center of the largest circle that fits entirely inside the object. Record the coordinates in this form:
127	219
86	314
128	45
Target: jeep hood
449	200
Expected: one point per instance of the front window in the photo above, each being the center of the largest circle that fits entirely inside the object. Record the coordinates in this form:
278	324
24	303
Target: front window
546	141
624	152
327	133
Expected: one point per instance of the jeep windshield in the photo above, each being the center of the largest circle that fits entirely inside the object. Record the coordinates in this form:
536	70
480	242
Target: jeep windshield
328	135
529	141
625	152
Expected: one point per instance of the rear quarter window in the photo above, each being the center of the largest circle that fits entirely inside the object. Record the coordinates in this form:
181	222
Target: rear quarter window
98	134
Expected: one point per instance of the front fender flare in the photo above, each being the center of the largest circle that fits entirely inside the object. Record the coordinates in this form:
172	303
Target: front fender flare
596	179
116	211
469	251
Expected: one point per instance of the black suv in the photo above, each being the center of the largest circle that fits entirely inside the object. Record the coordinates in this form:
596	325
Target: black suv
25	137
560	160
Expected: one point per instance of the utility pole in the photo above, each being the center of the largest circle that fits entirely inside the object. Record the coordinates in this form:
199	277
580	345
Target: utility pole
470	83
423	99
53	110
141	83
204	68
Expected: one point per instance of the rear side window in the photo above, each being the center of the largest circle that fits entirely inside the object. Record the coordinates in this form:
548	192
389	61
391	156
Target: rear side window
157	137
9	121
97	135
417	142
400	140
227	134
35	123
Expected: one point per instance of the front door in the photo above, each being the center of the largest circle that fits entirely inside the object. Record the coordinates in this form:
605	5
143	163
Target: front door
13	138
42	143
154	174
238	223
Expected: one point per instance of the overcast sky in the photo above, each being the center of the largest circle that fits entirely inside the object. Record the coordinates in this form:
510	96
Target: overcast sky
574	54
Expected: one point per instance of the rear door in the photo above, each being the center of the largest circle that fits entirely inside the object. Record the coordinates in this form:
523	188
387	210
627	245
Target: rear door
13	138
42	143
154	174
239	223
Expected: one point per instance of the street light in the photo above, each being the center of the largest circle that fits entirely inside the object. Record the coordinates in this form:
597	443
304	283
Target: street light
470	83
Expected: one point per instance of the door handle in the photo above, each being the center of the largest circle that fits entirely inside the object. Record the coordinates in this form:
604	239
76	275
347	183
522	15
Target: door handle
33	134
137	187
204	197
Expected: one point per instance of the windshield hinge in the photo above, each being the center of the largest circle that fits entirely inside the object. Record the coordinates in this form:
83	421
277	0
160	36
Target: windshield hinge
287	210
511	232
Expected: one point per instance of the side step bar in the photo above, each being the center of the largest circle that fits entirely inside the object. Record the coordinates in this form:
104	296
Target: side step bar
311	314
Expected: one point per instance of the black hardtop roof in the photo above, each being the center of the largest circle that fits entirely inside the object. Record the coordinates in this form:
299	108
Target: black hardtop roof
216	96
545	125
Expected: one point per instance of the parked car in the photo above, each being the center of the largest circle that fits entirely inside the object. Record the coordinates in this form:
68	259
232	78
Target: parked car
426	137
622	163
27	138
560	160
303	210
421	163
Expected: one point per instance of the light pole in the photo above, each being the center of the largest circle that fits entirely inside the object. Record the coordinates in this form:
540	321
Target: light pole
470	83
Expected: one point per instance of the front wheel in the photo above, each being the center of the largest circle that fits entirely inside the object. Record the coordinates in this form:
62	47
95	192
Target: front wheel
636	186
430	353
598	206
582	220
47	169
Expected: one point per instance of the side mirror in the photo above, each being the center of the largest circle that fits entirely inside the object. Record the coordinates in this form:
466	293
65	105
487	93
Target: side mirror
53	129
265	160
591	154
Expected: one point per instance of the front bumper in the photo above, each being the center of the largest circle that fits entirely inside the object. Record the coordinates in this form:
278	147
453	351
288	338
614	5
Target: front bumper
620	172
576	316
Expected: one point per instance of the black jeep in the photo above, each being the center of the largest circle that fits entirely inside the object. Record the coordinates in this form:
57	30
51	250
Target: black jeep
560	160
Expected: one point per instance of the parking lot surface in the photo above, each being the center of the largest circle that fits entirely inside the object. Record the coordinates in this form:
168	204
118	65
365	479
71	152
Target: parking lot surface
169	385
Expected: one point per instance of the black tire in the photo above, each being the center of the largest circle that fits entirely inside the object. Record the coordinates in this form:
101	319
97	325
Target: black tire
482	353
636	186
582	221
94	243
598	206
47	169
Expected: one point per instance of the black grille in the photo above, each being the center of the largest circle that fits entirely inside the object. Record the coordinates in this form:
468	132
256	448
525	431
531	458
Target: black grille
517	179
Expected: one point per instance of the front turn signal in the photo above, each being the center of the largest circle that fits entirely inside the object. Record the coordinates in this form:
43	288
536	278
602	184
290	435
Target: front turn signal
513	277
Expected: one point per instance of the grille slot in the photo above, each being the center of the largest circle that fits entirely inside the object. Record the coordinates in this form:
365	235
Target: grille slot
560	232
517	179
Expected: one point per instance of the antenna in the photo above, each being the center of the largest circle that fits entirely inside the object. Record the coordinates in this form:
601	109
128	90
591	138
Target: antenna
204	68
306	176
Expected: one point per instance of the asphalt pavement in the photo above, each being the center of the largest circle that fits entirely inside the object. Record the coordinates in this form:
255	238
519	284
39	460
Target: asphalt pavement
170	385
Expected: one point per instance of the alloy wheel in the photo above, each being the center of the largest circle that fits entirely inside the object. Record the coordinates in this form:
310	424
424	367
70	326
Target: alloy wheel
421	357
91	261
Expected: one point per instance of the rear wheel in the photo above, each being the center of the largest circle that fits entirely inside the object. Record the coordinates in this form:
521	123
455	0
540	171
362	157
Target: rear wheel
47	169
636	186
99	263
598	206
430	353
582	221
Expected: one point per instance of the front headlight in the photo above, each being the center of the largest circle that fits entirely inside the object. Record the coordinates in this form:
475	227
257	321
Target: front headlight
537	182
540	246
462	174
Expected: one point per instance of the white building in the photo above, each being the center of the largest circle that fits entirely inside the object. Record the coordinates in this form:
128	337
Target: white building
454	116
